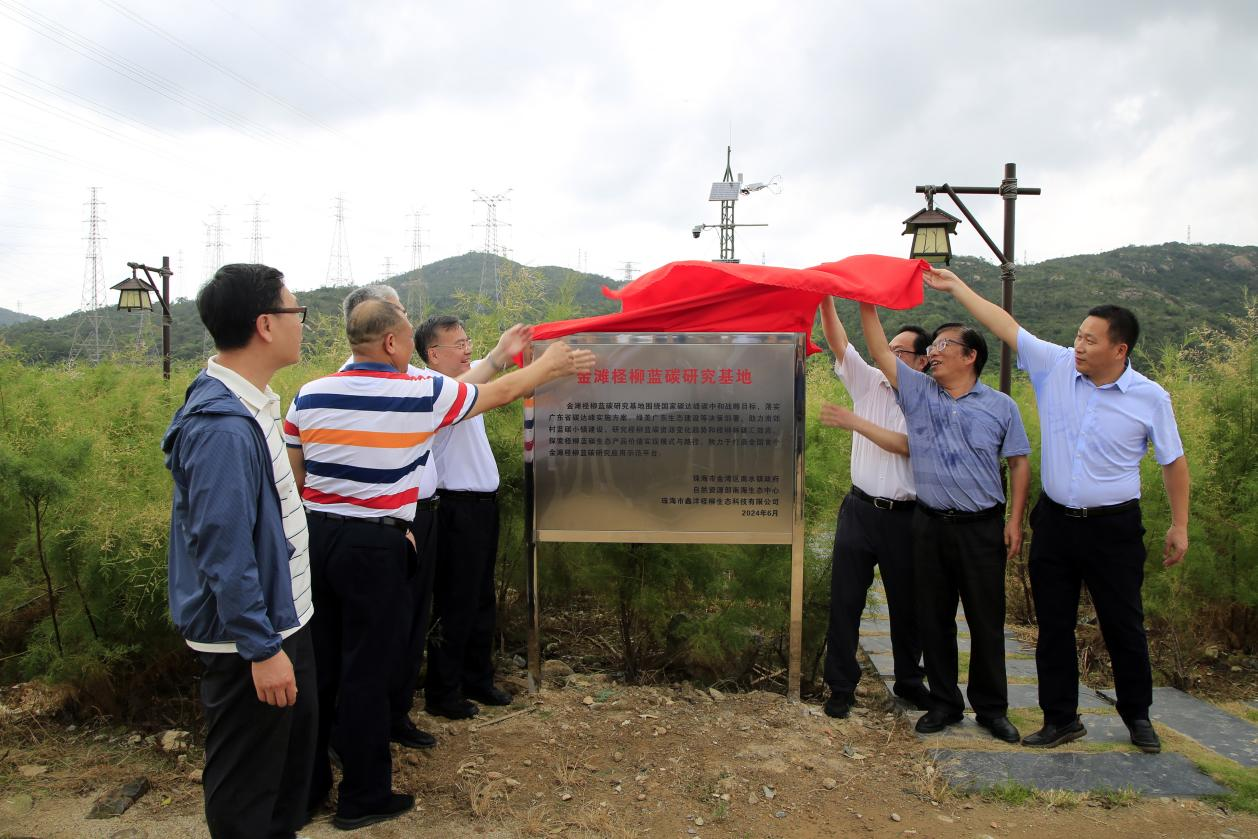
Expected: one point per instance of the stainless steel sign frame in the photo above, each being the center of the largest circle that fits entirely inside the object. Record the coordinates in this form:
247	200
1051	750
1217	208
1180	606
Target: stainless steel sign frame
672	438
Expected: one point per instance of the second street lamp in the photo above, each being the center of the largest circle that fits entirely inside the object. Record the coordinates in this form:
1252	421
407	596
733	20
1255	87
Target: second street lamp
133	295
1009	192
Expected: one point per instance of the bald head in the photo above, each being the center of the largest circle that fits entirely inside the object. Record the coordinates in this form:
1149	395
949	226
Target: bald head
372	319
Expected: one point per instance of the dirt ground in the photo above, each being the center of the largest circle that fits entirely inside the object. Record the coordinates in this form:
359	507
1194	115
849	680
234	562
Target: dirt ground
593	758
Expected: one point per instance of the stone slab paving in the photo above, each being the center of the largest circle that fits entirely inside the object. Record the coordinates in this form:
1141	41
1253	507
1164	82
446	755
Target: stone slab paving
873	644
1150	775
1015	668
1102	728
1028	696
1209	725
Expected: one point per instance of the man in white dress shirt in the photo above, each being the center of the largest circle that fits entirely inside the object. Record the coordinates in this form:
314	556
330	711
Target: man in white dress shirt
874	527
460	647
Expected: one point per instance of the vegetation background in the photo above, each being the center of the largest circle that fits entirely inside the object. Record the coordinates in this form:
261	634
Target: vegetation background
85	498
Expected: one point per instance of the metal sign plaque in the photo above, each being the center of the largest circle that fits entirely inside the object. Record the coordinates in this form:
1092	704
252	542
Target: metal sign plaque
691	437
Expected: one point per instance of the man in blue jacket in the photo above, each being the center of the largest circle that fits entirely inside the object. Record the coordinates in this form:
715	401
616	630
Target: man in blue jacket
239	565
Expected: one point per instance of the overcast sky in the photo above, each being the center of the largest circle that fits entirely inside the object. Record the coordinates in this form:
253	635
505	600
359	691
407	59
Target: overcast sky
607	123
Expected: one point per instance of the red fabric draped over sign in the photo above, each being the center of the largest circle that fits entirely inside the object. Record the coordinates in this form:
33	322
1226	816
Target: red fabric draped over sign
731	297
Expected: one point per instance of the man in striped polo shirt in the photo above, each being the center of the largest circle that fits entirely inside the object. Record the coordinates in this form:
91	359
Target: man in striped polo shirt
358	440
239	566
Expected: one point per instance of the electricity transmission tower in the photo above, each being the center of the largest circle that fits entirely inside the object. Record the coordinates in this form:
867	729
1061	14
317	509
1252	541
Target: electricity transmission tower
493	253
256	237
416	299
339	270
629	269
93	334
386	270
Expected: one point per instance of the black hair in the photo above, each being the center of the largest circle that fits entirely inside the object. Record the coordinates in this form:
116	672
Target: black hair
1123	326
229	304
426	332
921	339
972	339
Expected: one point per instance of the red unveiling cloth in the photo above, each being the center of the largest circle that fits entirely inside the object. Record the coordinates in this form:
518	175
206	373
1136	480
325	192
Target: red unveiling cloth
731	297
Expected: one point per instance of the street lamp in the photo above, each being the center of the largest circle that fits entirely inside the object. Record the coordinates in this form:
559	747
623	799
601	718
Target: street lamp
931	229
1009	192
133	295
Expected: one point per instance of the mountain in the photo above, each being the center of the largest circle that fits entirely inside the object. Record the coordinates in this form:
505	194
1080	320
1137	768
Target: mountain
1173	288
8	317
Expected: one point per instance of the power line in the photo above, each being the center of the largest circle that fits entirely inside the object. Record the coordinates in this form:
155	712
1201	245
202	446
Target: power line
210	62
48	28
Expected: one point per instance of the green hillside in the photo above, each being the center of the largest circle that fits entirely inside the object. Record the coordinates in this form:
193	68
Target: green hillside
1173	288
8	316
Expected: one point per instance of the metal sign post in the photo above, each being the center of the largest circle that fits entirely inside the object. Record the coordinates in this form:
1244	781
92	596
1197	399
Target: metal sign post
673	438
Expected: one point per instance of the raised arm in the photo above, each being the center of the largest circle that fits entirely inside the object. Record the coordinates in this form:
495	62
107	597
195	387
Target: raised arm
836	416
876	340
836	336
1175	476
999	322
558	361
511	344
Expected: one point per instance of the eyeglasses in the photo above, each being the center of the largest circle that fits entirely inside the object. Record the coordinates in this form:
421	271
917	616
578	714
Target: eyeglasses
942	344
290	310
462	346
899	351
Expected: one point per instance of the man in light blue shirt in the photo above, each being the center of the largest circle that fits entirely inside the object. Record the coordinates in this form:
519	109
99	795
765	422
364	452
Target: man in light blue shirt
958	429
1098	417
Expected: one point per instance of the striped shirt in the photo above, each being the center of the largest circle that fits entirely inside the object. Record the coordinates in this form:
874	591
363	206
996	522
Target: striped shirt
264	405
427	475
366	433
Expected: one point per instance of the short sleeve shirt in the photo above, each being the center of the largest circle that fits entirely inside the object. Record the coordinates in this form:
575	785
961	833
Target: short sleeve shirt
1092	439
955	445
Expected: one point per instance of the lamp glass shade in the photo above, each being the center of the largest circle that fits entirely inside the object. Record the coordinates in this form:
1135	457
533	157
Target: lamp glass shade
930	242
135	299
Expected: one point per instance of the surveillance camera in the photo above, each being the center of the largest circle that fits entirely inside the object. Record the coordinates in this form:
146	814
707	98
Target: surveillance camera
698	228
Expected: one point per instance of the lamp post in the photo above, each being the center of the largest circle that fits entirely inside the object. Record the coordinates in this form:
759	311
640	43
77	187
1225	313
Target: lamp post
1009	192
133	295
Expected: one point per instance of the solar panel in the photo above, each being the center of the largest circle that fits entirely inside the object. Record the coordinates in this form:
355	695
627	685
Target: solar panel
725	191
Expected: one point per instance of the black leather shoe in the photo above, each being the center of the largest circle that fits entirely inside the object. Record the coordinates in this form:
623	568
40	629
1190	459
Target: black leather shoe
406	734
1000	728
1051	736
459	709
840	703
934	721
396	806
1143	737
916	695
491	695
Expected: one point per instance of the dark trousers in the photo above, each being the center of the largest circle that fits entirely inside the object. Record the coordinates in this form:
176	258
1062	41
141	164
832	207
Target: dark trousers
464	607
413	620
866	537
1107	553
962	559
257	756
360	576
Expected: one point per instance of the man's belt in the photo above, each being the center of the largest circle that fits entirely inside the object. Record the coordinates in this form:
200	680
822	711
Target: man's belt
383	521
962	515
1090	512
467	493
883	503
428	504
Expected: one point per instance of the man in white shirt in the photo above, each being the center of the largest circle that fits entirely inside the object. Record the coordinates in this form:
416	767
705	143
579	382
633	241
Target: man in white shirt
874	527
460	665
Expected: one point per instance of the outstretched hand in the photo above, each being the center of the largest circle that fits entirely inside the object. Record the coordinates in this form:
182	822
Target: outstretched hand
562	360
941	279
836	416
511	344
